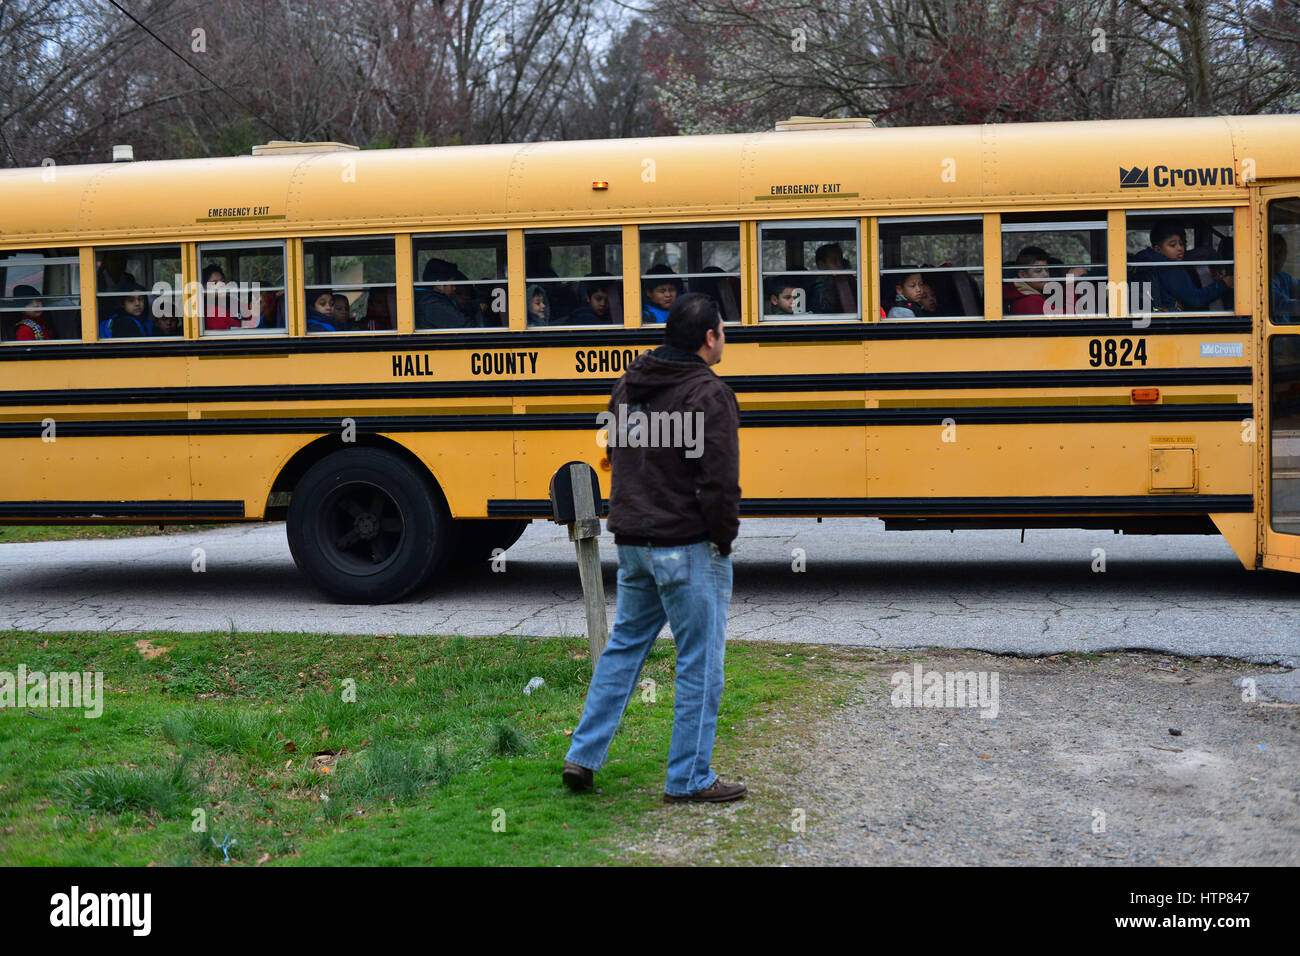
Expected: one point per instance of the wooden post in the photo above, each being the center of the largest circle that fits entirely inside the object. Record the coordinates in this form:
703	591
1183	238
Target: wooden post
584	531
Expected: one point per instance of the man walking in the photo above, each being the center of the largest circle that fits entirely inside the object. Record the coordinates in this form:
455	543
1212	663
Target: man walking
674	512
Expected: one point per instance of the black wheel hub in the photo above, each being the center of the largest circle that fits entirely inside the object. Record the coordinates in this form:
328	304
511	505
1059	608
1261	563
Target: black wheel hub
361	528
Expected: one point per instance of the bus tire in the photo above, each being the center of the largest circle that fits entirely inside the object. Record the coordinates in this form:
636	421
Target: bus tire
477	538
367	527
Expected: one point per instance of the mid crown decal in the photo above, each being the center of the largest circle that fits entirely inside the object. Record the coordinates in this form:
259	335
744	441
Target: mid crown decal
1133	178
1140	177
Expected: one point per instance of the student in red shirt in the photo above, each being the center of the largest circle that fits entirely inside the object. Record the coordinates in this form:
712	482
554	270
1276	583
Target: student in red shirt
215	317
32	325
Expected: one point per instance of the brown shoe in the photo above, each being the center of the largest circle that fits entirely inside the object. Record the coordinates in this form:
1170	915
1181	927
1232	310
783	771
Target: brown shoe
718	793
577	778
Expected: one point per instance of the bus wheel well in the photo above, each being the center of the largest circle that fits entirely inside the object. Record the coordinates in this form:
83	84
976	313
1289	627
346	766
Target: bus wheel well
277	503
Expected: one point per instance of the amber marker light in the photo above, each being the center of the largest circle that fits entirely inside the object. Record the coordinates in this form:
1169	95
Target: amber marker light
1146	395
600	184
604	464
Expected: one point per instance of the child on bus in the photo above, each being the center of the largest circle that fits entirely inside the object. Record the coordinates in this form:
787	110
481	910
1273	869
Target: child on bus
660	288
216	317
342	309
782	296
320	312
909	291
1171	287
32	324
596	309
130	320
539	311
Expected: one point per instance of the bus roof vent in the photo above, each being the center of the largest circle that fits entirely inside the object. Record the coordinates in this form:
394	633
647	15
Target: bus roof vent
820	122
280	147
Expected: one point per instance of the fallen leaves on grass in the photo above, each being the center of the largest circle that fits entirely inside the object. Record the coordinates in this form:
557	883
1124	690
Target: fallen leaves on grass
147	649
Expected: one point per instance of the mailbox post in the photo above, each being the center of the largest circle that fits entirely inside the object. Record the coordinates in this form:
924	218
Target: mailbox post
575	500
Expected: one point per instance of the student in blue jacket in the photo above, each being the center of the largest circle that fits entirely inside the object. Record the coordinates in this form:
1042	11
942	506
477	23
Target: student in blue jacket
1172	287
131	319
659	289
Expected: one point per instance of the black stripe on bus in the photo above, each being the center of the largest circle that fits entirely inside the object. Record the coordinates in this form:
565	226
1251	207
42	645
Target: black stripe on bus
513	388
121	509
942	507
829	332
569	421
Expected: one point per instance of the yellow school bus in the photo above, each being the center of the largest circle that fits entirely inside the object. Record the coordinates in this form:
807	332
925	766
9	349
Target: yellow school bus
394	350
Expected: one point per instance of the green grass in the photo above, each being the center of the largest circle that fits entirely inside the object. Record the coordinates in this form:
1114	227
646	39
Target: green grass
12	533
315	749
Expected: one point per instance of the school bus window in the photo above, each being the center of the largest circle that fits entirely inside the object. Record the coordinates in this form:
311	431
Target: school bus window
808	270
242	287
1180	260
460	281
138	292
932	267
358	277
704	259
565	269
1284	260
40	295
1054	264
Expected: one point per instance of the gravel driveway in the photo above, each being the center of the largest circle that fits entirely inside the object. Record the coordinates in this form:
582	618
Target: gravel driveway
1078	768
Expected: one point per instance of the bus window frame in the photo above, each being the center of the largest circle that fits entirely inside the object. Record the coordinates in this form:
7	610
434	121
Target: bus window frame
350	287
738	275
417	283
179	293
620	276
78	259
1279	319
756	287
985	226
289	282
1101	225
1163	212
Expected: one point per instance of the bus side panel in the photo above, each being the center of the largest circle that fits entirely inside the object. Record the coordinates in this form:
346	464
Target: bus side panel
810	462
86	469
1050	459
469	467
539	453
241	467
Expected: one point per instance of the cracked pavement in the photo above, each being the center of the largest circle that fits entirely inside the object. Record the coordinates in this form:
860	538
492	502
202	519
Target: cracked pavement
983	590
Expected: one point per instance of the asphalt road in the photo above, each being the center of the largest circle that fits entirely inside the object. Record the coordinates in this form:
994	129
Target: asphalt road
861	585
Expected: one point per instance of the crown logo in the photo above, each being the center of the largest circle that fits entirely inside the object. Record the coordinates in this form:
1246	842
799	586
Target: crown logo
1133	178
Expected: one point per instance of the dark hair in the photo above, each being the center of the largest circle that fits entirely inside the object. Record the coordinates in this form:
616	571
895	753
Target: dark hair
775	285
1031	254
438	270
689	321
340	295
825	250
316	294
651	279
210	270
897	280
595	282
26	292
1164	228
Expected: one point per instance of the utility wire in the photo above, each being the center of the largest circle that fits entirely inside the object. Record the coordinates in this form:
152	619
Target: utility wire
170	49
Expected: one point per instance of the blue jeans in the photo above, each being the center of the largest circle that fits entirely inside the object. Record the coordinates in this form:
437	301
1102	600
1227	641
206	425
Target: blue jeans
690	588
